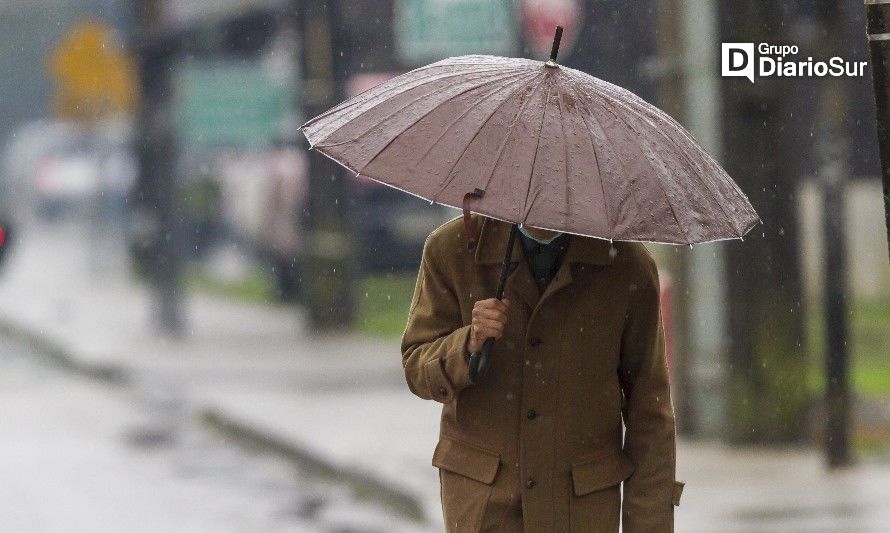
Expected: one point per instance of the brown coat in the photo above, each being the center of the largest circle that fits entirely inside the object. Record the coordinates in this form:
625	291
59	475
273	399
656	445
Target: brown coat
536	445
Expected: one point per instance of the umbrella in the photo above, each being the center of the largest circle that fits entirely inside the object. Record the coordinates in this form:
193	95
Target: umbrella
539	144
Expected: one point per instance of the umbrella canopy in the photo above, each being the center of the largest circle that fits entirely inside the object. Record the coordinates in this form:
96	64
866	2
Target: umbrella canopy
543	145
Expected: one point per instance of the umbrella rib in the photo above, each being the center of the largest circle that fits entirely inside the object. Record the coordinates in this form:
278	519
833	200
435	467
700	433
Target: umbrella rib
506	139
398	85
528	207
355	100
449	177
657	176
386	98
612	222
408	104
698	171
565	149
511	79
462	115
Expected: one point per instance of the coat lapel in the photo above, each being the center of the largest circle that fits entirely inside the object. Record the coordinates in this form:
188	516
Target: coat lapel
490	250
582	250
522	283
492	244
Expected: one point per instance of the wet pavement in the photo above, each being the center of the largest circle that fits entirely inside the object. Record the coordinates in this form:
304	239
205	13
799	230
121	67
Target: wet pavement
88	455
84	455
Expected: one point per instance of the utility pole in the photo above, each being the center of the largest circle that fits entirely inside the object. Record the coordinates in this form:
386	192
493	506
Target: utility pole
667	71
690	91
156	188
706	275
833	152
331	265
877	14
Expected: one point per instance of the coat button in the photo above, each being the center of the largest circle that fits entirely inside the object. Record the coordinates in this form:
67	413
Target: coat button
534	341
531	414
530	483
443	391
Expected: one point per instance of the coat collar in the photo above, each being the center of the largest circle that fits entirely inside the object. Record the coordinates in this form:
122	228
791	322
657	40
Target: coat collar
490	250
493	240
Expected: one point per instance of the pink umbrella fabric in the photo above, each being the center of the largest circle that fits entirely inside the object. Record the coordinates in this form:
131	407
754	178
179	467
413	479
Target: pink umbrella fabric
548	146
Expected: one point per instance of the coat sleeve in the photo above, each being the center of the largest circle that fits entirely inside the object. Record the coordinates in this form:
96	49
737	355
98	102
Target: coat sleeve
434	353
651	492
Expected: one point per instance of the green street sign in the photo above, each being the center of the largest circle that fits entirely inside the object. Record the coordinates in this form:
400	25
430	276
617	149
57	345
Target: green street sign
429	30
228	104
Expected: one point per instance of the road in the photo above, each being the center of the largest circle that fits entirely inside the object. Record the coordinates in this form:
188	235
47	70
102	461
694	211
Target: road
84	455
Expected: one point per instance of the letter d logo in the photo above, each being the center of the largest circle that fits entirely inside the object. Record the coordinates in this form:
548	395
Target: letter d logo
738	60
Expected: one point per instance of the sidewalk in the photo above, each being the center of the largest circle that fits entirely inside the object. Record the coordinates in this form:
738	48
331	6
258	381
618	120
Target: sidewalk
340	402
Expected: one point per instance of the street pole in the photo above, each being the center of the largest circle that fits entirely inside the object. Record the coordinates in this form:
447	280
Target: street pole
766	394
707	312
837	390
877	13
669	76
156	187
690	91
330	264
834	156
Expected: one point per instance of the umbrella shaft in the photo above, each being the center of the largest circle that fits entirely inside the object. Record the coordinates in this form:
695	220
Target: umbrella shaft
478	362
505	266
556	39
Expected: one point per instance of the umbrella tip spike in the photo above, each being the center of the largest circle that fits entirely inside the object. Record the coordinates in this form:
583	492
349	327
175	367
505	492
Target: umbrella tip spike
556	39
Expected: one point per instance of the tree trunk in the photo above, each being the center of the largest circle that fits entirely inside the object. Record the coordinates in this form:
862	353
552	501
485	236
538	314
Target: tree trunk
330	262
765	151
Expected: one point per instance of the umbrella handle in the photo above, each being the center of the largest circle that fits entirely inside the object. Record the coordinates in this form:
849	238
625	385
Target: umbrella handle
468	225
478	362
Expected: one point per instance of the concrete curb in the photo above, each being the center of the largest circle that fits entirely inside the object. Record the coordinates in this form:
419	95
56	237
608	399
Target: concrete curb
62	357
363	485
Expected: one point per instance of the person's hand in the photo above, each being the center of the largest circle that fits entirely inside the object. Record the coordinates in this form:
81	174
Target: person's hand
489	317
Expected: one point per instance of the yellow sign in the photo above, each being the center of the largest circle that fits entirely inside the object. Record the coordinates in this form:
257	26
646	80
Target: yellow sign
93	74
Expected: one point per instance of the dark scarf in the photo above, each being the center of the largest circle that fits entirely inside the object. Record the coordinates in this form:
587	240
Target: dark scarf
544	259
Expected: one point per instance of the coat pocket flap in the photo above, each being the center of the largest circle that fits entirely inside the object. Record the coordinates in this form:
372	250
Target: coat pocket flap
466	460
601	472
678	491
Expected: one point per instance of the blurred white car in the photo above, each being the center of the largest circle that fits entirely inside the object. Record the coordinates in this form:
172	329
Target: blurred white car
62	180
60	168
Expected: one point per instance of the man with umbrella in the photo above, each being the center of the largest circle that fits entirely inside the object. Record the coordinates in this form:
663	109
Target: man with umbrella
536	444
540	429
